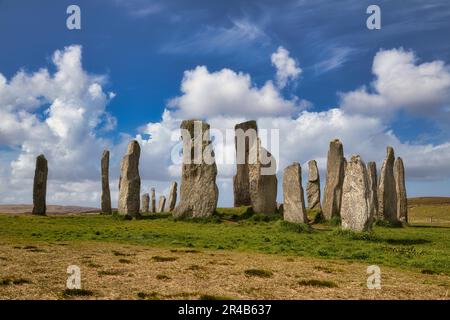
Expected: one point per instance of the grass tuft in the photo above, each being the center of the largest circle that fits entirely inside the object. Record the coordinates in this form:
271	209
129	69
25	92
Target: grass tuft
77	293
163	259
13	281
318	283
258	273
295	227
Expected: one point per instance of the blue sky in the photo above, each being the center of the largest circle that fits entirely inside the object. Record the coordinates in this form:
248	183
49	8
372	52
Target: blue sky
143	48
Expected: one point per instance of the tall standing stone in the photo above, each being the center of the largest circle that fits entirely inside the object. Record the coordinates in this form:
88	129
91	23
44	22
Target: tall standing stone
355	208
402	201
153	200
313	187
293	197
373	188
263	179
387	194
172	196
246	134
106	195
130	181
161	204
334	180
145	201
198	189
40	186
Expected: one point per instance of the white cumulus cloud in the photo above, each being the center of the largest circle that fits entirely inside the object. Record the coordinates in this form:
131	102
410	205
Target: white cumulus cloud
287	67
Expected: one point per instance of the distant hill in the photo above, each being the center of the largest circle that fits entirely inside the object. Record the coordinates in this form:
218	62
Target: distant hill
51	209
429	201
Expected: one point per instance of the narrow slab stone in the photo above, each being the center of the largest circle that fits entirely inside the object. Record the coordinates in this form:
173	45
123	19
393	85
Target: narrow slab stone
246	134
313	187
172	196
198	189
145	201
161	204
40	186
400	186
334	180
387	194
263	180
373	188
355	209
153	200
106	195
293	196
130	181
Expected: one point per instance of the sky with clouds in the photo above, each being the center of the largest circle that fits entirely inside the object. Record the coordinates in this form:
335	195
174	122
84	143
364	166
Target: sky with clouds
310	69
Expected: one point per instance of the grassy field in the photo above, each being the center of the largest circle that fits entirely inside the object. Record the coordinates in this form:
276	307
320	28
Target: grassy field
323	260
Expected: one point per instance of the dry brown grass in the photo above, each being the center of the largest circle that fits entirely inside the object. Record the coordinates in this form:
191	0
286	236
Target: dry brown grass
196	274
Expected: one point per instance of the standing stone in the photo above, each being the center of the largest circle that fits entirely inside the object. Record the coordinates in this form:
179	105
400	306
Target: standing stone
106	195
130	181
373	188
161	204
263	179
198	189
40	186
313	187
145	200
402	201
246	134
172	196
153	200
387	194
355	209
294	200
334	180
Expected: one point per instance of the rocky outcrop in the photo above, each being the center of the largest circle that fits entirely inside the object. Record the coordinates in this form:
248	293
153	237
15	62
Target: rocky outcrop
145	202
162	204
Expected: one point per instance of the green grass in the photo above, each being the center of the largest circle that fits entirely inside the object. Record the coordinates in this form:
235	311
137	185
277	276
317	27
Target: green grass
417	247
318	283
258	273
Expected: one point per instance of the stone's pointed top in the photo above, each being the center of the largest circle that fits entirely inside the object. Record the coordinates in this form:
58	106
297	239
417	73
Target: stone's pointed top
390	152
189	124
133	147
105	152
336	141
251	124
355	158
41	157
371	164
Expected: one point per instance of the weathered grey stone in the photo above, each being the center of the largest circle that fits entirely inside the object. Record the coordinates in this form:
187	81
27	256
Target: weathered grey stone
198	189
172	196
293	197
334	180
153	200
387	194
355	208
161	204
106	195
373	188
130	181
313	187
40	186
145	202
263	179
402	200
246	134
